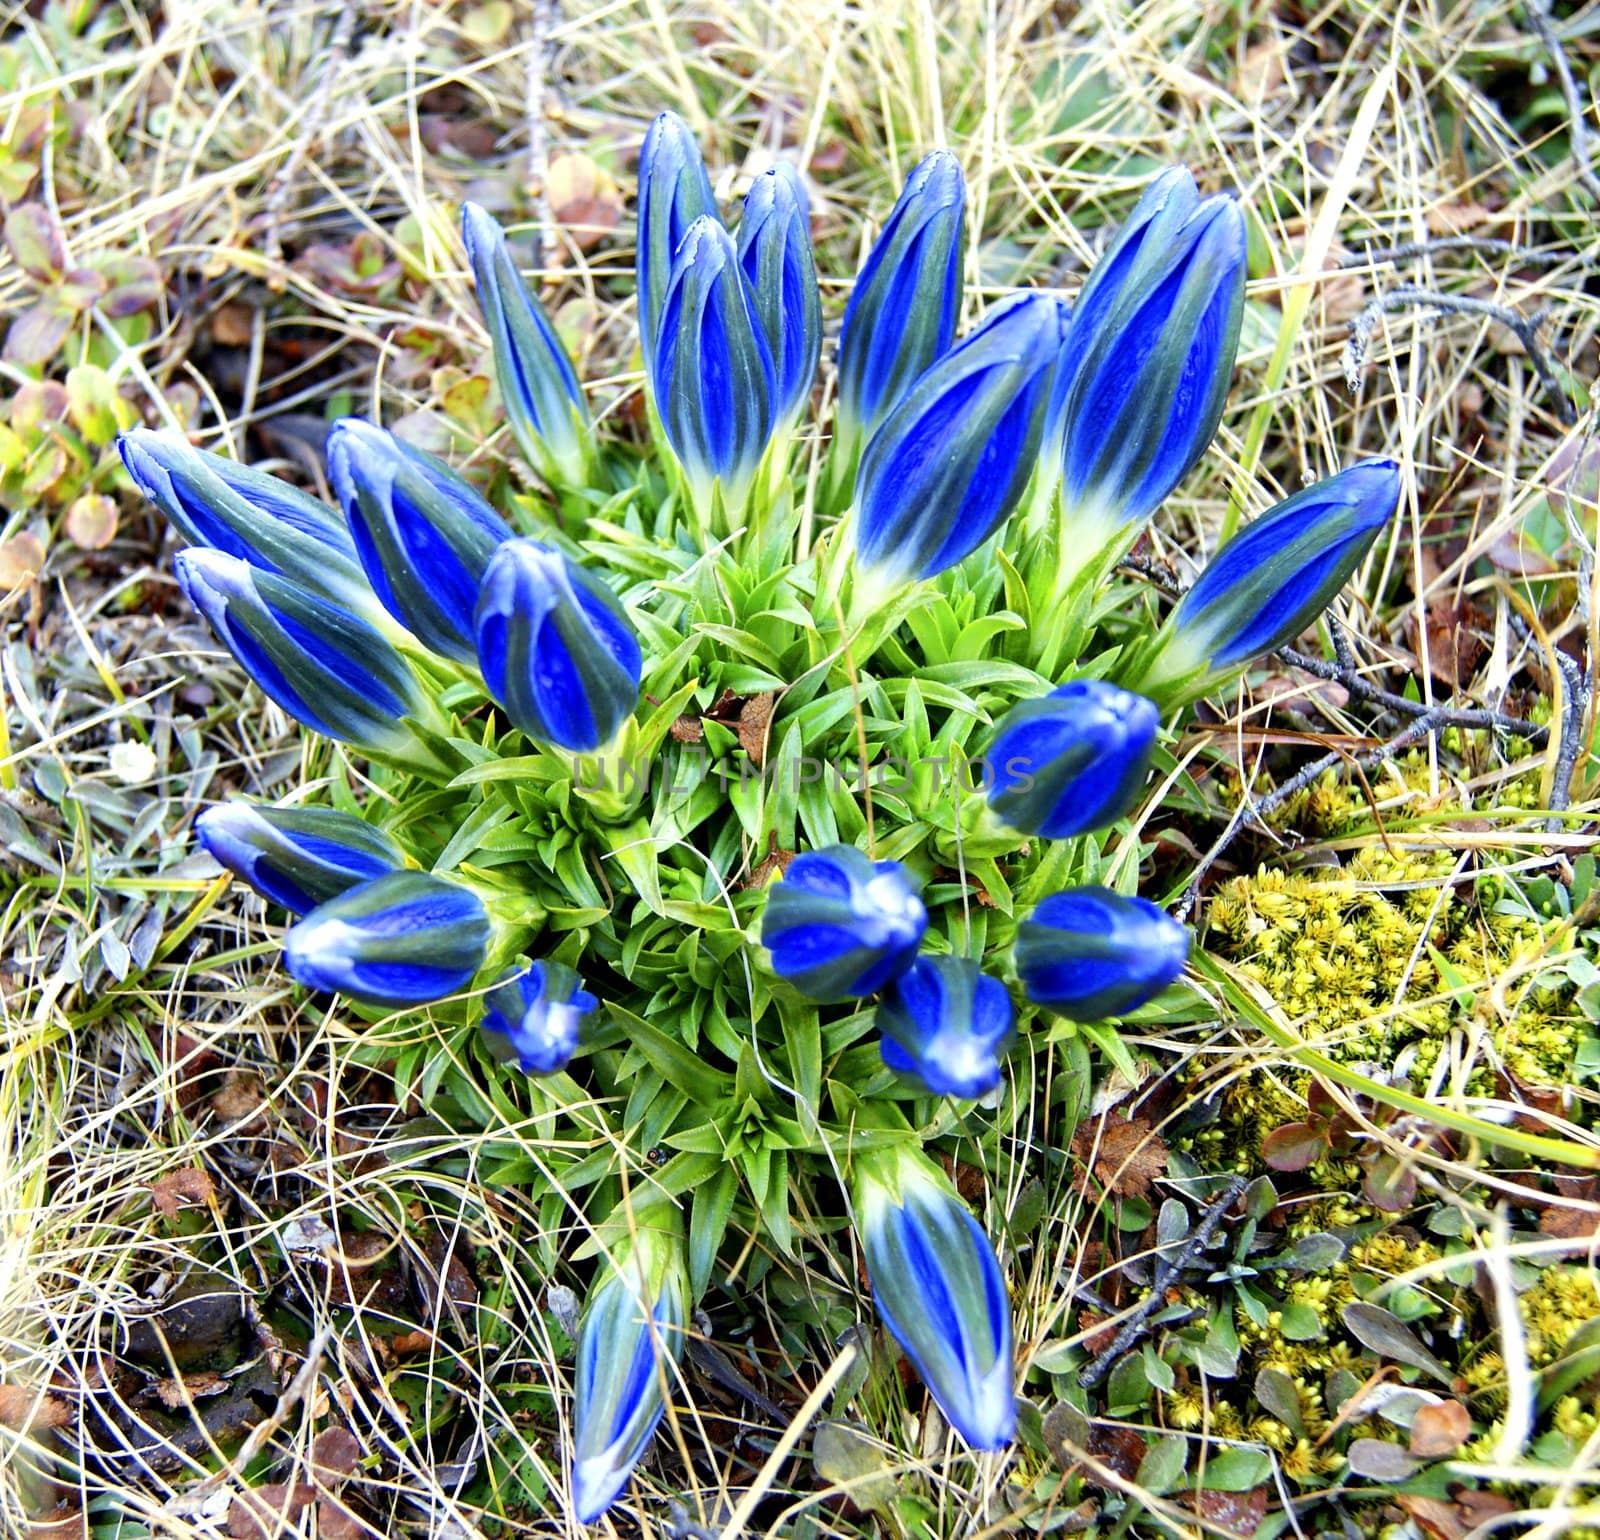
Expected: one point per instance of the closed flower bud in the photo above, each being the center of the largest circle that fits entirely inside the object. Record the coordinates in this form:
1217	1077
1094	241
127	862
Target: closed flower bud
326	668
1148	358
543	400
632	1333
840	926
556	648
1089	953
1277	575
950	462
246	514
937	1285
674	191
423	534
775	253
404	939
297	856
537	1011
713	377
945	1022
1073	760
906	301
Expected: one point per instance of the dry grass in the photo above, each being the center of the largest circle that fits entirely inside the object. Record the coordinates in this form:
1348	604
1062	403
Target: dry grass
227	141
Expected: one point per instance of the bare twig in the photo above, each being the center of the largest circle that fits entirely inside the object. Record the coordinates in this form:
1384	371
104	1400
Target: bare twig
1167	1271
310	133
1488	245
1248	810
1574	713
540	53
1526	329
1577	113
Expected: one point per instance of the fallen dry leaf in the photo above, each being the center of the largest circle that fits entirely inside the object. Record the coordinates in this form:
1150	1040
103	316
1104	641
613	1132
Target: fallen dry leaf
335	1454
1440	1520
21	560
176	1393
92	521
1124	1155
585	200
1440	1430
170	1192
754	717
22	1409
1239	1513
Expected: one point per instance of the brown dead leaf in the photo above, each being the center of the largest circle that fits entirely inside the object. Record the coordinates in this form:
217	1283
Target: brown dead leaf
1121	1449
1455	645
584	199
1123	1154
21	560
24	1410
1440	1430
450	1266
687	730
265	1512
1569	1223
1239	1513
336	1522
232	325
772	865
240	1100
335	1455
754	718
169	1193
177	1393
1440	1520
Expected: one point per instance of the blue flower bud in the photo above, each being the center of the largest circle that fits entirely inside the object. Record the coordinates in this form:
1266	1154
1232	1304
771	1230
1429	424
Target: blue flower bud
1277	575
775	253
297	856
1073	760
945	1022
713	375
538	1011
937	1285
906	301
1089	953
840	926
423	534
246	514
674	191
404	939
1148	358
632	1333
951	461
326	668
556	648
543	400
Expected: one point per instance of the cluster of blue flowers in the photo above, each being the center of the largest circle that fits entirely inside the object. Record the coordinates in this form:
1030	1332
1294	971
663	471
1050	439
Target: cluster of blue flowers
379	623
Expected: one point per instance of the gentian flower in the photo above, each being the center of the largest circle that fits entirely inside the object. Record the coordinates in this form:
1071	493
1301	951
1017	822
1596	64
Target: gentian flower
1277	575
950	462
543	400
556	648
840	926
297	856
537	1010
713	377
937	1286
906	301
325	667
945	1022
247	514
1148	359
407	938
632	1332
1073	760
775	254
423	534
674	191
1089	953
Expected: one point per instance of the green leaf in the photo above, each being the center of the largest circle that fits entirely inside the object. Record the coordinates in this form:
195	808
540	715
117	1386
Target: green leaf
671	1060
1237	1469
1163	1465
708	1223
